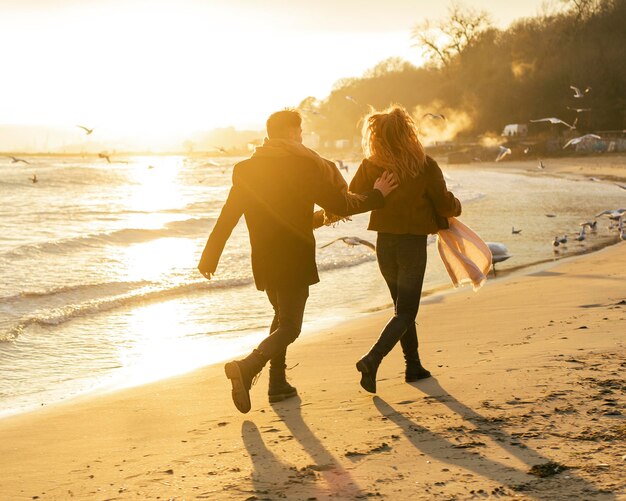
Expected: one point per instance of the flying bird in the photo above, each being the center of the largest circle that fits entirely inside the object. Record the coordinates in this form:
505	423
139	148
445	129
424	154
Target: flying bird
581	235
436	116
503	152
593	225
541	165
554	120
86	129
350	98
578	93
351	241
622	186
577	140
104	155
342	166
579	110
613	214
514	231
15	160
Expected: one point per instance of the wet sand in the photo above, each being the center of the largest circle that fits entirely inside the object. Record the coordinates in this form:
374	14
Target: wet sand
526	402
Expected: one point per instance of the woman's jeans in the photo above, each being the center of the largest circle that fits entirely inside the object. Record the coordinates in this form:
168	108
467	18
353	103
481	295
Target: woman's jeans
402	262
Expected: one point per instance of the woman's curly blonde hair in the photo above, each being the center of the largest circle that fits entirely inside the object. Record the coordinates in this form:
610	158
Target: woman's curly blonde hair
389	139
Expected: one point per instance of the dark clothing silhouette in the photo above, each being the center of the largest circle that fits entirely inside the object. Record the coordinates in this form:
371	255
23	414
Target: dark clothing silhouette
277	197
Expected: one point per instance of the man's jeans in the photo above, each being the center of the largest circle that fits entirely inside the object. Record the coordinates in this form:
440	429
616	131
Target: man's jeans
402	262
288	303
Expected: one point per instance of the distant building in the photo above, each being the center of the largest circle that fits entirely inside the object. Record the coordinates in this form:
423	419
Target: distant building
311	140
511	130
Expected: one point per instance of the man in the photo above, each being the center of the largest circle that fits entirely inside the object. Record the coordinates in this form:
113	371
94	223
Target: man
276	190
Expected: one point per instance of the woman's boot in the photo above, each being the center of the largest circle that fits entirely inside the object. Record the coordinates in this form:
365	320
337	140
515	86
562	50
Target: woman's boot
368	365
241	374
414	370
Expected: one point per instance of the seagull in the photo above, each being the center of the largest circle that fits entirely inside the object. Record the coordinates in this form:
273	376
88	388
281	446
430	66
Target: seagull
438	116
86	129
34	178
503	152
581	235
15	160
499	253
579	110
342	166
514	231
622	186
351	241
593	225
350	98
563	240
104	155
555	242
578	93
541	165
554	120
550	215
613	214
577	140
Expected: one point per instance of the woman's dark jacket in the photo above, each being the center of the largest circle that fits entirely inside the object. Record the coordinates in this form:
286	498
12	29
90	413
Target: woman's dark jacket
415	206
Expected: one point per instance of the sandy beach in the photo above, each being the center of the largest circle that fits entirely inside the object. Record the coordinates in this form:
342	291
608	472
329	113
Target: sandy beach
526	402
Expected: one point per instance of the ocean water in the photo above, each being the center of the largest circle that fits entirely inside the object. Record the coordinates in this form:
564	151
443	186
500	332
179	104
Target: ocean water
98	279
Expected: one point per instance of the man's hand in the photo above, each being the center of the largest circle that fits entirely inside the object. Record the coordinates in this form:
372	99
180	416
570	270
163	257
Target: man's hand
386	183
205	272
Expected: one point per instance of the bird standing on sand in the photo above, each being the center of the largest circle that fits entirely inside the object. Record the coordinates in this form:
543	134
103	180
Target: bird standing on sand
577	140
499	253
34	178
15	160
351	241
503	152
578	93
541	165
86	129
554	120
581	235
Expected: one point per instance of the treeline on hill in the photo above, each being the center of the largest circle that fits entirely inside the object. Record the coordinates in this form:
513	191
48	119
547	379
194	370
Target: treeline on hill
493	77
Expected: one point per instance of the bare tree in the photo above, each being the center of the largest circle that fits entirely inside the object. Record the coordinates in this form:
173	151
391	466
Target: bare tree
448	37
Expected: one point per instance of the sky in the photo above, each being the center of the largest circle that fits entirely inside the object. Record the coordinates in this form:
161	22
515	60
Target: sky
155	69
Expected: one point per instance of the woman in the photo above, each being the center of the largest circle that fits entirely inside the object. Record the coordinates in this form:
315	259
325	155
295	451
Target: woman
417	208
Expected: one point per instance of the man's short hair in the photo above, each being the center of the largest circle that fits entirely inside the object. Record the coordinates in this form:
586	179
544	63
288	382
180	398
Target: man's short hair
280	122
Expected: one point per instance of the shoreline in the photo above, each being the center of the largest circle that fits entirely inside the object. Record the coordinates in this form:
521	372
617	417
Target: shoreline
485	419
115	382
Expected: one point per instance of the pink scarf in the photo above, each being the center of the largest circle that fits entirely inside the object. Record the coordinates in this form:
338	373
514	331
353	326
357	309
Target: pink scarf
465	256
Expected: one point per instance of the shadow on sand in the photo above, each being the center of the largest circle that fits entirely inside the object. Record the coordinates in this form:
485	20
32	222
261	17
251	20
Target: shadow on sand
322	478
441	449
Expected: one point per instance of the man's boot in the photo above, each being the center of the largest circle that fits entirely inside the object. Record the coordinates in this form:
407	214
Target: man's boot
241	374
279	388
